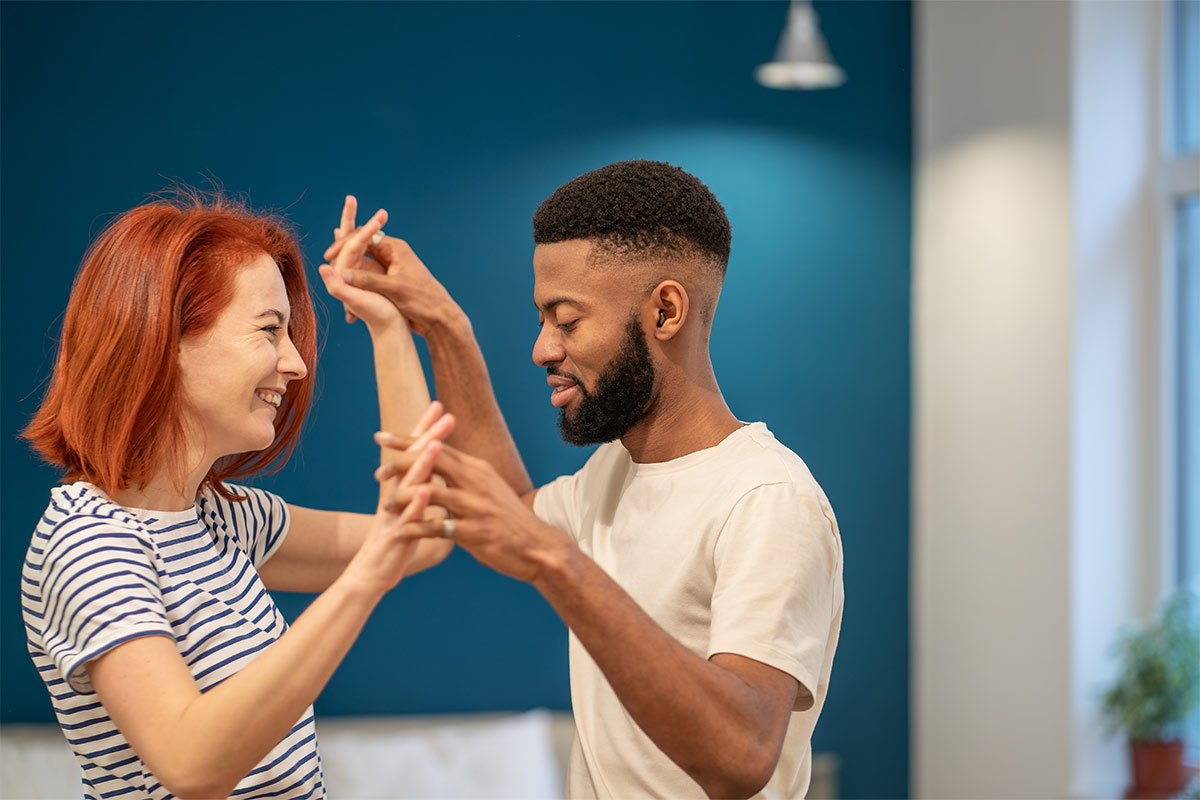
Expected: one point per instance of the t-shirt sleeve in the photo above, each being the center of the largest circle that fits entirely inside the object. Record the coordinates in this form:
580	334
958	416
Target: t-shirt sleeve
557	504
99	589
258	524
778	565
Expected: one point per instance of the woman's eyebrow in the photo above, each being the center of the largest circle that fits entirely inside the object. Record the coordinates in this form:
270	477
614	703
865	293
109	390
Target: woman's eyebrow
278	315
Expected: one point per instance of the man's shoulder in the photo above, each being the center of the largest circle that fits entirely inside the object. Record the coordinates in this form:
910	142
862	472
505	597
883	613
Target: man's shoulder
752	454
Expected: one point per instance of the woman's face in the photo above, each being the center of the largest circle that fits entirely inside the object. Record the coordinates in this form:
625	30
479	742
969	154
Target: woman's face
236	372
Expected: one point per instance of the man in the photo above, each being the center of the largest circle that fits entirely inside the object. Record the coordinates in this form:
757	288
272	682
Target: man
694	558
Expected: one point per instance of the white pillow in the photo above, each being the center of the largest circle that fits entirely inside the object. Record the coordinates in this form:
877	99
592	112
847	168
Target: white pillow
37	762
486	757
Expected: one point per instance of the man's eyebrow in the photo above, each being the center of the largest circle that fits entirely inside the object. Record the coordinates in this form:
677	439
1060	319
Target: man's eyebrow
279	315
549	305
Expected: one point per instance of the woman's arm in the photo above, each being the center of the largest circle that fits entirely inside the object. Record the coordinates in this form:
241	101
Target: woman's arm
201	744
319	544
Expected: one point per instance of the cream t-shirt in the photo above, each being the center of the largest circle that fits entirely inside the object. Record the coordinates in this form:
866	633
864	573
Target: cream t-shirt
732	549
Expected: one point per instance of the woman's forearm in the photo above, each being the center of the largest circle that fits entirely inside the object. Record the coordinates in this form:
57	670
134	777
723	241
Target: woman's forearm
403	391
403	399
230	729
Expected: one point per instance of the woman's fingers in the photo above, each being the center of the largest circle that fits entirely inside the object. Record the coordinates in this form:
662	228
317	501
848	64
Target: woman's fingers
354	246
428	418
347	250
401	463
439	430
349	212
451	465
422	468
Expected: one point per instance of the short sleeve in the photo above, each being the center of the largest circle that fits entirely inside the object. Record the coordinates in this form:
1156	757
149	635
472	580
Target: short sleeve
99	589
258	524
778	571
558	504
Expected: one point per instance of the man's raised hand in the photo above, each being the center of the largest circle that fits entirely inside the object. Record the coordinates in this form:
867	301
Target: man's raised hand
399	275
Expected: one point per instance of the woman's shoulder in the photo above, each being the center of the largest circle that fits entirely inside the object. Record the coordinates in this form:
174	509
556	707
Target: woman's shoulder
80	522
82	499
81	508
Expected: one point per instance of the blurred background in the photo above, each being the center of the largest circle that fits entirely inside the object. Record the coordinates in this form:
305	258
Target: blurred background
963	288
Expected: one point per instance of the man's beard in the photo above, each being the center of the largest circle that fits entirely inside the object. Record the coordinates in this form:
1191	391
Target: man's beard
622	398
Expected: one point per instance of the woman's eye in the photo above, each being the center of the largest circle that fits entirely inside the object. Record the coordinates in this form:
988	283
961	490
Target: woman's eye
273	330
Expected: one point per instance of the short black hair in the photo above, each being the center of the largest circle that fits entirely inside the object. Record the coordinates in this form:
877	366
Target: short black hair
638	209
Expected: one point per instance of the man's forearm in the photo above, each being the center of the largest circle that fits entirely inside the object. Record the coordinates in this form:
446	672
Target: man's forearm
463	386
703	717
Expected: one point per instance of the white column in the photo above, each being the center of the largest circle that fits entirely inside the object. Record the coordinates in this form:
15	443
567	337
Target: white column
1036	387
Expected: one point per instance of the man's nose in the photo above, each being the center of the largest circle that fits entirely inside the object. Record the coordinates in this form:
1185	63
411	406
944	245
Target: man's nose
548	348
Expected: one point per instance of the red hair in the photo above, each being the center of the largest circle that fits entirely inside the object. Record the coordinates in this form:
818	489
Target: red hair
114	411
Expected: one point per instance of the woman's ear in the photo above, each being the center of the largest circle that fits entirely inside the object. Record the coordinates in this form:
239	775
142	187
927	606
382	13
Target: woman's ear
669	304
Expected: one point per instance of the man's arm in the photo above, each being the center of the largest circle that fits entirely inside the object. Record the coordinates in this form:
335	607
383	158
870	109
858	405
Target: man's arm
460	375
461	379
722	720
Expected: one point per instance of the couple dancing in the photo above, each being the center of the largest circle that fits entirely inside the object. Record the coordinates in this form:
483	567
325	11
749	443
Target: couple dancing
695	560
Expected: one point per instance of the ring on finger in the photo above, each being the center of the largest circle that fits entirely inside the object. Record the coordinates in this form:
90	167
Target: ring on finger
447	528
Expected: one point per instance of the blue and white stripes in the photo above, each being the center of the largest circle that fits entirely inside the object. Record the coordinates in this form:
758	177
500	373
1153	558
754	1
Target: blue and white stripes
98	574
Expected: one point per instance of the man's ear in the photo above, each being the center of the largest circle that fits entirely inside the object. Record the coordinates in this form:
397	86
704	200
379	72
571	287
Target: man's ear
669	305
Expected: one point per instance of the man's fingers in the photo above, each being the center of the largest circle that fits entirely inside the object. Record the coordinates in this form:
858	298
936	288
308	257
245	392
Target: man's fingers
401	459
428	529
416	507
451	465
460	503
371	281
393	469
422	468
401	497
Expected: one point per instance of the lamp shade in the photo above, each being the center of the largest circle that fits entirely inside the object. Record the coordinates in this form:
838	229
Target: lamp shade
802	59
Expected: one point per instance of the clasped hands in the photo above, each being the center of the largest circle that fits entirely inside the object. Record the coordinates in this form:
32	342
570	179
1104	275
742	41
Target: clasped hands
491	521
389	283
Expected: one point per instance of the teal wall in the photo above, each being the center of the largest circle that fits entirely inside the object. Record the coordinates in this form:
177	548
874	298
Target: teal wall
460	118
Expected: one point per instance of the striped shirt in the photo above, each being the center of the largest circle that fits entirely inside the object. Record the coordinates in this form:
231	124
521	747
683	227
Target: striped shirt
98	574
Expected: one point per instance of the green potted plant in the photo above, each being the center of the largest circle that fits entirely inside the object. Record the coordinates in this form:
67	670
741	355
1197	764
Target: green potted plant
1156	690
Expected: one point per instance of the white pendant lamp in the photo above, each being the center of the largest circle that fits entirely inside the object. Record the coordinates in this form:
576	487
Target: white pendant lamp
802	59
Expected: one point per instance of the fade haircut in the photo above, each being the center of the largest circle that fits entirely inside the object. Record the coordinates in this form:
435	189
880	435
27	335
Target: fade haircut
638	210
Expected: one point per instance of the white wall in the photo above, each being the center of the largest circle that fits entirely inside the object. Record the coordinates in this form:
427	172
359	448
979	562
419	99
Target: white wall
1035	374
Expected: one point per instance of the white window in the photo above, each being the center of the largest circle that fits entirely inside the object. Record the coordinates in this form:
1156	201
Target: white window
1181	185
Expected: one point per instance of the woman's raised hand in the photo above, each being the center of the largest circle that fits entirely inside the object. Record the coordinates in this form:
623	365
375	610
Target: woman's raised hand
384	555
372	308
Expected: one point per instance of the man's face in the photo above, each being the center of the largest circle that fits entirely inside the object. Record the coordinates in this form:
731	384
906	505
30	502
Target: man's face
592	344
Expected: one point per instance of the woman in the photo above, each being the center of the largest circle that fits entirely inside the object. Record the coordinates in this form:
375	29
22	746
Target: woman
184	363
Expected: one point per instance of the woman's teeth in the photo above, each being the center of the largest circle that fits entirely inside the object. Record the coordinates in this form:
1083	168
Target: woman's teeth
270	397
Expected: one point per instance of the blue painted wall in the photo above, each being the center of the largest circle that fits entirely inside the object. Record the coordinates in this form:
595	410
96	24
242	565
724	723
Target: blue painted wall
460	118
